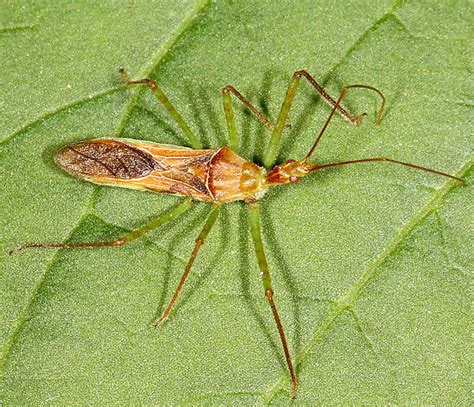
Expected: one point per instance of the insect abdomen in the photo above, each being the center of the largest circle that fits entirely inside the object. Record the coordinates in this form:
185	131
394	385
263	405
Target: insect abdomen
104	158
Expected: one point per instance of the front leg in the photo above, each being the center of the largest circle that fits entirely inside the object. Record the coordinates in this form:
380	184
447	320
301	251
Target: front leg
271	152
255	228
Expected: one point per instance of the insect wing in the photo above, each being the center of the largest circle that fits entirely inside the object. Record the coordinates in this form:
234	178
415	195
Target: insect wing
139	165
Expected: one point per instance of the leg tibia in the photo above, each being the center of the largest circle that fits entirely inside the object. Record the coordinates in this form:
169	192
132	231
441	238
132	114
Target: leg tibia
161	96
134	234
230	89
281	332
211	220
114	243
255	229
327	97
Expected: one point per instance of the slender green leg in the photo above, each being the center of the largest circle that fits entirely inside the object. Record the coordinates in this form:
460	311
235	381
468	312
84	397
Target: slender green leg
160	95
197	245
134	234
230	118
271	152
255	228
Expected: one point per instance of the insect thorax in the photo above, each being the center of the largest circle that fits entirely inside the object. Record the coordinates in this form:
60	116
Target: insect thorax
231	178
253	182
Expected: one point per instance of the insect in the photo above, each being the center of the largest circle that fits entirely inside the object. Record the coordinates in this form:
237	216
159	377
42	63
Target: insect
217	176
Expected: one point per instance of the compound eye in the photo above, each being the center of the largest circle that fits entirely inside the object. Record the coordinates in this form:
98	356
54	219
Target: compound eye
294	178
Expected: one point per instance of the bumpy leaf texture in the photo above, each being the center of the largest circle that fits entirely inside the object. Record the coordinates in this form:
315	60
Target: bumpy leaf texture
371	263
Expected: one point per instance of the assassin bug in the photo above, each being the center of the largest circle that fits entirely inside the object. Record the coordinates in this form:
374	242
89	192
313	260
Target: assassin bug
212	175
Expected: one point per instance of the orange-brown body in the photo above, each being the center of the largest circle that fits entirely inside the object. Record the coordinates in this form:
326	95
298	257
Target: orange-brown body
218	175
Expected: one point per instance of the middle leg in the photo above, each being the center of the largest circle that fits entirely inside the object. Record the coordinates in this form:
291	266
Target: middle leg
230	118
211	220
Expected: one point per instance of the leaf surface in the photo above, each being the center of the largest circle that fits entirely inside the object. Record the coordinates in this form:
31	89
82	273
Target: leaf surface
371	264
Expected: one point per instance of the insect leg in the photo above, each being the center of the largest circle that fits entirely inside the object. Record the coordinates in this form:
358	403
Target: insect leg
134	234
229	114
271	152
386	159
197	245
230	119
255	228
161	96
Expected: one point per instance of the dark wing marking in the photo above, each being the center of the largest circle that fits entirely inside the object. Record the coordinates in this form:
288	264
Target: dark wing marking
106	158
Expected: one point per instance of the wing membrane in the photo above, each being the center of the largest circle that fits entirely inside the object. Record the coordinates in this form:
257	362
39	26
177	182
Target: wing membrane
139	165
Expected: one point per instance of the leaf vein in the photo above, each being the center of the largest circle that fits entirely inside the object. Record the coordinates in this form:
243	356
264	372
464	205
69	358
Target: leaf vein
57	110
353	293
155	61
23	318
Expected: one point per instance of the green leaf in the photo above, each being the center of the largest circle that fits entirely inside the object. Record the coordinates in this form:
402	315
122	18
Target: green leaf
370	263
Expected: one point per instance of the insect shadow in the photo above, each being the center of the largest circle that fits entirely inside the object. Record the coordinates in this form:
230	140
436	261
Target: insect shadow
192	222
140	112
254	137
47	157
